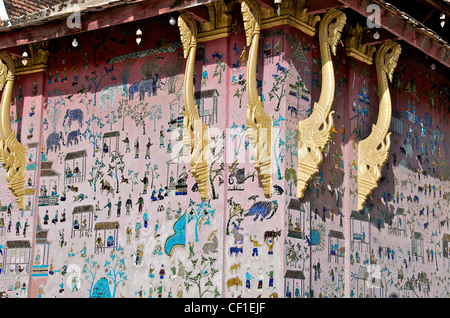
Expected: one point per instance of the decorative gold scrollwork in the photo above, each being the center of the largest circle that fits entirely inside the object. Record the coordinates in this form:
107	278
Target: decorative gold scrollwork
259	123
315	131
196	133
373	151
12	152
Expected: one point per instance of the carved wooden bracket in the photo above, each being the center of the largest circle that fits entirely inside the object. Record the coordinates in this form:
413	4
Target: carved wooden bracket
196	135
37	60
259	123
354	46
373	151
12	152
291	12
315	131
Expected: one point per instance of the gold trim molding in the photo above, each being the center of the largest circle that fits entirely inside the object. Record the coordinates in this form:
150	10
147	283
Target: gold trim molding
37	61
259	123
373	151
219	24
314	132
12	152
292	12
354	47
196	135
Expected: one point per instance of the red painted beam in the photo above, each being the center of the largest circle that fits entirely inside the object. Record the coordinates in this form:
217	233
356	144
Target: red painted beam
268	4
405	30
199	13
92	21
368	39
321	6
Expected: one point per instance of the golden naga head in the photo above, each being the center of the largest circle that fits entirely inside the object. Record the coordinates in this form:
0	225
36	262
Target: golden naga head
331	27
188	32
252	18
3	74
388	55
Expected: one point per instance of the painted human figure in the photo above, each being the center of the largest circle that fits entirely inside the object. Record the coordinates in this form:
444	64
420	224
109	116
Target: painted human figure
127	143
145	181
119	207
248	278
147	148
128	205
136	148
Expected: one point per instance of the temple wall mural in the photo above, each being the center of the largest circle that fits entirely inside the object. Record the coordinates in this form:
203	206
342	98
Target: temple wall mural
111	208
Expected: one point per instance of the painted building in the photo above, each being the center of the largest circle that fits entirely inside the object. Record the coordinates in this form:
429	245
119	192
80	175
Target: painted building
250	148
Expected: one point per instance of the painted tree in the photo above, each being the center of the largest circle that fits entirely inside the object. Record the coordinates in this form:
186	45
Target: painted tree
93	132
117	164
203	270
240	90
153	168
54	103
291	145
155	113
236	213
111	119
124	110
96	173
134	178
220	68
291	177
96	79
217	150
172	69
90	269
278	90
150	67
125	73
115	269
85	100
278	144
200	213
238	133
139	113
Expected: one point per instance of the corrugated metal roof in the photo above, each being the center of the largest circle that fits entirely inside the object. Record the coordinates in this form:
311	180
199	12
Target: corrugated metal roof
18	244
294	274
83	209
76	154
106	226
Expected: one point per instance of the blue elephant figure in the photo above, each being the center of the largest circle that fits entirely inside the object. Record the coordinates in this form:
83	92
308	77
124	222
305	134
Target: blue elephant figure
73	115
133	90
52	142
145	86
150	86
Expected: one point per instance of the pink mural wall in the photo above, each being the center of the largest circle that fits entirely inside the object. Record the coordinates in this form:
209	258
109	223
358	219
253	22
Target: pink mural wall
112	210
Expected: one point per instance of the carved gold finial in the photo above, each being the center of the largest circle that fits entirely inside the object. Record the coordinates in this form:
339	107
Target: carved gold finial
259	123
354	46
373	151
12	152
196	134
315	131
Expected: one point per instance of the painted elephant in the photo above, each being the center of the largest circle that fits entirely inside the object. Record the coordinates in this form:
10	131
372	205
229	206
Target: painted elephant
109	93
133	89
52	142
150	86
72	138
73	115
